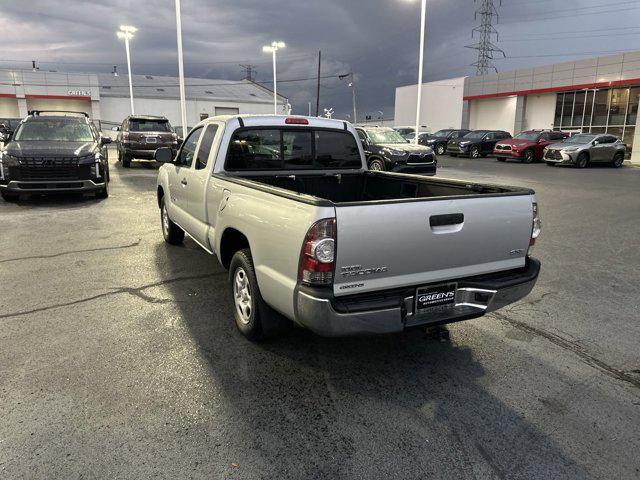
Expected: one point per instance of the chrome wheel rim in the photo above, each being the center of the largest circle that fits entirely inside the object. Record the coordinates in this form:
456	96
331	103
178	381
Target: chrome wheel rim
528	157
165	220
242	296
440	150
619	160
475	153
376	166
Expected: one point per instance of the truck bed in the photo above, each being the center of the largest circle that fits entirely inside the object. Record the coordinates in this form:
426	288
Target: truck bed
380	186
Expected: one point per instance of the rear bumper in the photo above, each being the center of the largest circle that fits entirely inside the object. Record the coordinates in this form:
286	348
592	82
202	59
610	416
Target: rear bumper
50	186
146	152
394	312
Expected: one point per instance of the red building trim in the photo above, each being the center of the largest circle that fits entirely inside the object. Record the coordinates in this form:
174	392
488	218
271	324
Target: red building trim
7	95
59	97
615	83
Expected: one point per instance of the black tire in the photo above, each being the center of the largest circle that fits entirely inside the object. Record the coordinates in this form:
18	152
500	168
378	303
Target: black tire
253	317
171	232
440	149
474	152
377	165
126	160
9	197
529	156
104	193
550	164
583	160
618	160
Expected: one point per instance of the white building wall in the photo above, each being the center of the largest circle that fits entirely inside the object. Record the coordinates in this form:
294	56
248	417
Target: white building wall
493	114
441	105
115	109
76	105
540	110
9	107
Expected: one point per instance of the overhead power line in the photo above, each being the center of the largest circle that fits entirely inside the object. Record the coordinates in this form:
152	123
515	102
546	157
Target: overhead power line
525	18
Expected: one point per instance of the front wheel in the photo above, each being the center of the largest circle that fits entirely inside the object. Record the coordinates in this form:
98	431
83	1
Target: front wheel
126	160
528	157
9	197
440	149
618	160
376	165
104	193
474	152
582	161
171	232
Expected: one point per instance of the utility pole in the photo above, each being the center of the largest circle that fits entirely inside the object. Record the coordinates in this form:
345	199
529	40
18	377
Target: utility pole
352	85
318	87
249	71
183	101
487	11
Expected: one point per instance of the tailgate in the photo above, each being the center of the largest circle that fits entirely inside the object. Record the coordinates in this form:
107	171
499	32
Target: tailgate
388	245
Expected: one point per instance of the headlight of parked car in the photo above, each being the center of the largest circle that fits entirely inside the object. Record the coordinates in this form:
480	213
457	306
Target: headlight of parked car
570	149
394	152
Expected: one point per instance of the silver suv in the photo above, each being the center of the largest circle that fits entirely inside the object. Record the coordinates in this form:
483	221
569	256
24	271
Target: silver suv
586	148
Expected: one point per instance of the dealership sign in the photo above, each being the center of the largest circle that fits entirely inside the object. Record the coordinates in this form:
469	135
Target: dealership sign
79	93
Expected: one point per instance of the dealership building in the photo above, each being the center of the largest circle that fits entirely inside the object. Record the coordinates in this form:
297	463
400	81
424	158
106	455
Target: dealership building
105	97
598	95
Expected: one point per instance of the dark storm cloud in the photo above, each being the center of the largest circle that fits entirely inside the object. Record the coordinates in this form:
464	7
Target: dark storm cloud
377	39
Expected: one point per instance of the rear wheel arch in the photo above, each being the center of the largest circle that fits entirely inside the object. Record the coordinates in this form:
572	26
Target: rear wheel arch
232	241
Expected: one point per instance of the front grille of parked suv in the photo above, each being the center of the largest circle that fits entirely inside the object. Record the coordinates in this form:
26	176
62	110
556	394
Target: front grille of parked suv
503	147
45	168
553	155
424	158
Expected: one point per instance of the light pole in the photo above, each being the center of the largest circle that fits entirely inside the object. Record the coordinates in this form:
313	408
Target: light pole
352	85
183	101
423	17
126	32
273	48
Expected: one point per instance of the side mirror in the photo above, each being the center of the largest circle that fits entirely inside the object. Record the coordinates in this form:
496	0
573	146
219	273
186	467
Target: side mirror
595	142
105	141
115	129
541	140
163	155
179	140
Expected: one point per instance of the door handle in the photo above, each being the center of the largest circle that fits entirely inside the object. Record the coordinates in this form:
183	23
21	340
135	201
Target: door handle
445	220
184	182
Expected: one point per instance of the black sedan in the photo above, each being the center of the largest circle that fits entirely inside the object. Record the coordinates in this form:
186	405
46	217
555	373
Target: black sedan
476	144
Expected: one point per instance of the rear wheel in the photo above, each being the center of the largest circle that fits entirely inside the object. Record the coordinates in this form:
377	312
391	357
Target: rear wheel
9	197
474	152
528	156
582	161
618	160
171	232
126	160
440	149
377	165
254	318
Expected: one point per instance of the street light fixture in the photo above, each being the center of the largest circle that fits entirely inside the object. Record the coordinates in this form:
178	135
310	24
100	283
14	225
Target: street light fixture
423	17
273	48
126	33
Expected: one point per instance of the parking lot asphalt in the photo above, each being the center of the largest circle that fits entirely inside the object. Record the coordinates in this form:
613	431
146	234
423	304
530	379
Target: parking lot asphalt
119	357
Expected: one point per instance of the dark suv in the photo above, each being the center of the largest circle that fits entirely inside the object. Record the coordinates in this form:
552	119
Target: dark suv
528	147
386	149
140	136
55	152
478	143
438	141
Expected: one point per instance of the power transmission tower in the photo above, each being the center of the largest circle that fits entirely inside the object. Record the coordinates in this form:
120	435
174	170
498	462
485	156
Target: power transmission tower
486	49
249	72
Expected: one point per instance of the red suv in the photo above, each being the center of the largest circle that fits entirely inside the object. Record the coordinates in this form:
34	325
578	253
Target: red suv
527	146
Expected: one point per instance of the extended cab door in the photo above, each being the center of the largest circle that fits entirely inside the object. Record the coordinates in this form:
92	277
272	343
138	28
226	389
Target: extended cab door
178	175
198	176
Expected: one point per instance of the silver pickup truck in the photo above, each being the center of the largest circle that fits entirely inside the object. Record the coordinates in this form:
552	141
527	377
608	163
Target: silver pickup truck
309	235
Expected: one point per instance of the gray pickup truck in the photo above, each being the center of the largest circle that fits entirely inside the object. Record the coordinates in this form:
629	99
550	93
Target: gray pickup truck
309	235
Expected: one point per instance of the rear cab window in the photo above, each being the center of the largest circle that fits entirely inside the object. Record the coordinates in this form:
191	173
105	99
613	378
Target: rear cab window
292	149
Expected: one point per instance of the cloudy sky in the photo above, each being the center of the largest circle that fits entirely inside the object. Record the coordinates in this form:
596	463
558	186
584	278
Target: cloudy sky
376	39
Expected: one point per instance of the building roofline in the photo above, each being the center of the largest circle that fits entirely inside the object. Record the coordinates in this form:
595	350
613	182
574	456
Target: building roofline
584	86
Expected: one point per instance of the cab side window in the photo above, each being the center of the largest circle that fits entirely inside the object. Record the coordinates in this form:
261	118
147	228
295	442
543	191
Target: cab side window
188	150
205	146
362	136
491	136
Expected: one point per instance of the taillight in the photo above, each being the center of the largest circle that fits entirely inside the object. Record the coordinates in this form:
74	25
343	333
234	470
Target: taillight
317	258
125	136
536	226
296	121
